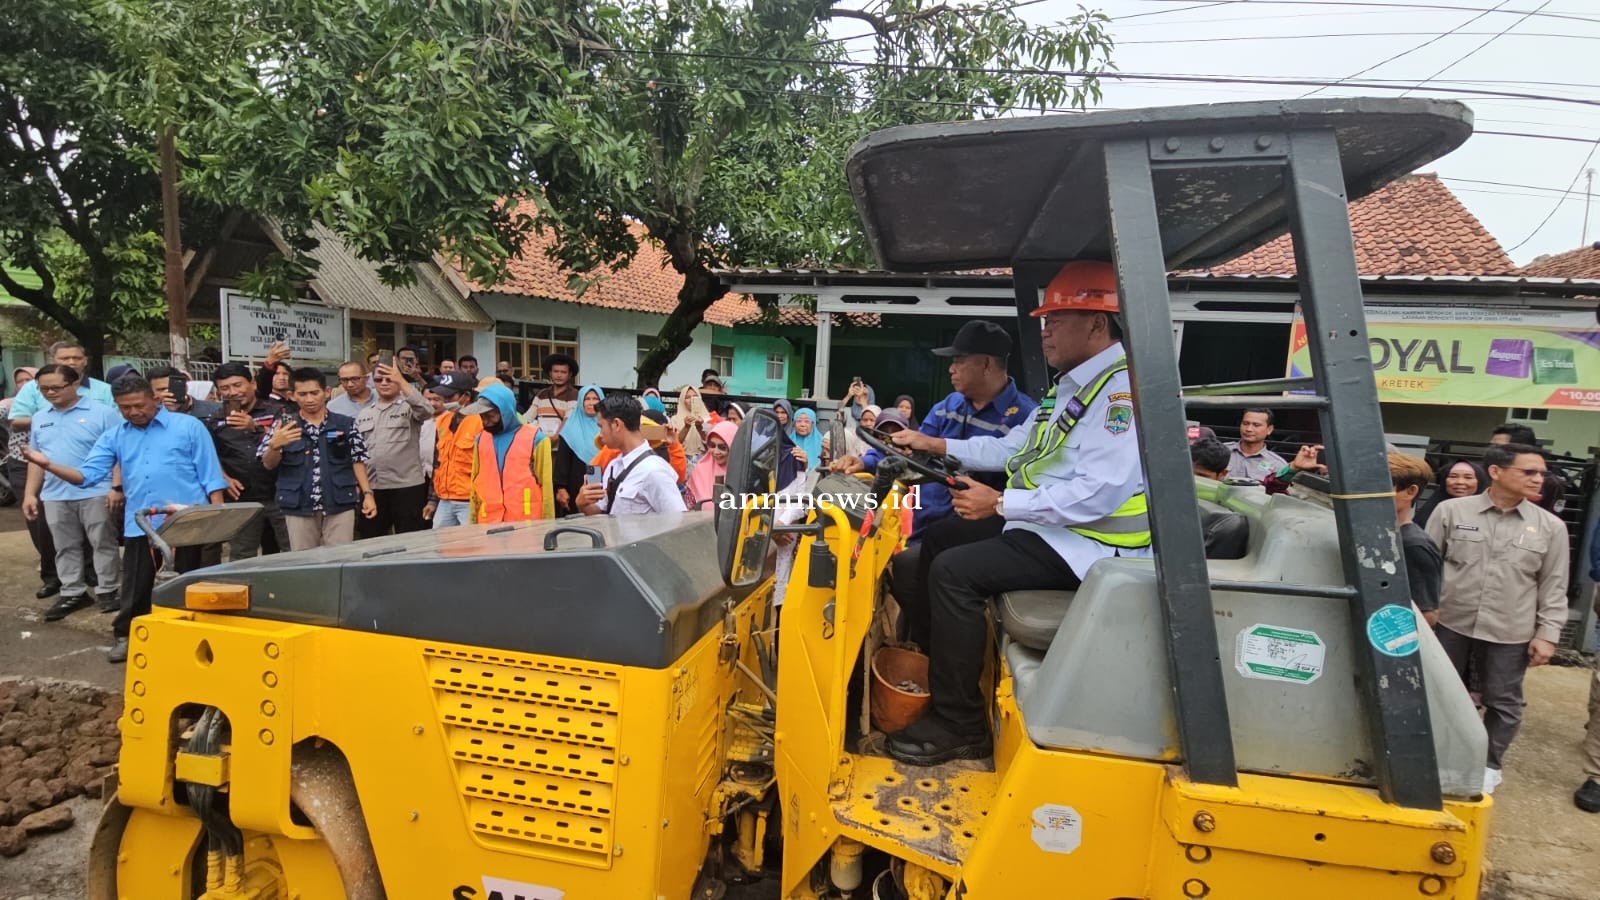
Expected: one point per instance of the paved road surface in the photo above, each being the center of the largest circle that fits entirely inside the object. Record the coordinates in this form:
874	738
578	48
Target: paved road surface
1542	847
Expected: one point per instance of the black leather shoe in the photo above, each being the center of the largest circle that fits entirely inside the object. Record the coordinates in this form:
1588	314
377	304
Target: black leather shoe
119	651
929	742
50	589
66	606
108	603
1588	797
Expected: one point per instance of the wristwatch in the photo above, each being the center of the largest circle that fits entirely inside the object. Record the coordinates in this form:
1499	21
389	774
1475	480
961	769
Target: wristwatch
1000	505
117	488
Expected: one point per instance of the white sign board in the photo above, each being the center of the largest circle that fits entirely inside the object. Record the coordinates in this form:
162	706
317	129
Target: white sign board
316	334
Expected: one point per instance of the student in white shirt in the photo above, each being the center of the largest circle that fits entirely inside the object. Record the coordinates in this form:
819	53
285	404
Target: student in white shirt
637	481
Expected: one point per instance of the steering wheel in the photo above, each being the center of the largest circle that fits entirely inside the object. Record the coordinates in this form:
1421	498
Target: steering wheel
936	469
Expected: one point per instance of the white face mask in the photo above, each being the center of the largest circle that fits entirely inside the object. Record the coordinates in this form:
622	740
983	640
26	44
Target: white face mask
452	405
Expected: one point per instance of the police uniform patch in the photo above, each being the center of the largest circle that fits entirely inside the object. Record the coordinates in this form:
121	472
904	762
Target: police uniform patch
1119	418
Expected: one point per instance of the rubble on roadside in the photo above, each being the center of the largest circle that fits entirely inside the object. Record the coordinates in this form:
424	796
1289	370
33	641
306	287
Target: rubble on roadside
58	740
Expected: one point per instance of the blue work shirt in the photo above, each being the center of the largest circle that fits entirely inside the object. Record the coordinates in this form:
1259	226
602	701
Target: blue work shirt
955	418
171	460
30	402
67	436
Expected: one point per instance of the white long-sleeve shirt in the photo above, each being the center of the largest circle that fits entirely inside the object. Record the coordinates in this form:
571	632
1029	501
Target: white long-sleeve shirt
1087	480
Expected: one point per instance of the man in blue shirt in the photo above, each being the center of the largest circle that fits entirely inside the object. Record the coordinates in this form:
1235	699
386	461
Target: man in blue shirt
985	403
66	430
29	401
166	459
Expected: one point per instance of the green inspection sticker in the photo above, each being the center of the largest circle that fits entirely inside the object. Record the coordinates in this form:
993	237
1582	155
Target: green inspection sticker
1553	365
1276	653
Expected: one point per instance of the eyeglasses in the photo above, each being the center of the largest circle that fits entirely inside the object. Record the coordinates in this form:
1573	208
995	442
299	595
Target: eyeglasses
1530	473
52	388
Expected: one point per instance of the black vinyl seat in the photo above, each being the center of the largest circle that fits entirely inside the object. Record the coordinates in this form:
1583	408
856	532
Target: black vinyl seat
1031	618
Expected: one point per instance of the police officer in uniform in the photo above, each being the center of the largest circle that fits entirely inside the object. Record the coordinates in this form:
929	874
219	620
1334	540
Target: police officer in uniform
1074	494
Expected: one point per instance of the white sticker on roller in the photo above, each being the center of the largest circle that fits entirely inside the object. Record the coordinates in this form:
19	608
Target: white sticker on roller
1057	829
517	890
1275	653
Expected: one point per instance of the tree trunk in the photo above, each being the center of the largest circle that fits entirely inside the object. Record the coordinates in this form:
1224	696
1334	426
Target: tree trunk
172	236
700	290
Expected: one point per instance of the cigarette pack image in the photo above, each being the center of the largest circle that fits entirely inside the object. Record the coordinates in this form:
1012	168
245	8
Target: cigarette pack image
1509	358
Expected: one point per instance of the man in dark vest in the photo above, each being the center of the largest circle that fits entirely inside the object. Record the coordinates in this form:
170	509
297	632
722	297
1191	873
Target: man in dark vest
321	463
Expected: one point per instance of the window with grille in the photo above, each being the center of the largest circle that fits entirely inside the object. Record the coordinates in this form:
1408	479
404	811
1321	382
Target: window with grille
722	360
775	363
526	346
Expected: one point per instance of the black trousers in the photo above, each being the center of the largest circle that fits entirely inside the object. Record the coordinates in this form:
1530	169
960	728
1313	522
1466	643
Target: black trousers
399	512
39	529
1500	669
910	569
139	565
961	581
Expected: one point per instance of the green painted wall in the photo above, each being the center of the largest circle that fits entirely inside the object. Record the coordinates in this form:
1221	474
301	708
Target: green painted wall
750	351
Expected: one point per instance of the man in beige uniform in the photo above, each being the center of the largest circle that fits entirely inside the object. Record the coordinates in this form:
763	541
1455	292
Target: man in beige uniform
1504	597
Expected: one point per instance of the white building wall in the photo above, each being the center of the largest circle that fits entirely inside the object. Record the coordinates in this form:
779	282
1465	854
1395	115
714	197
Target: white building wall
608	339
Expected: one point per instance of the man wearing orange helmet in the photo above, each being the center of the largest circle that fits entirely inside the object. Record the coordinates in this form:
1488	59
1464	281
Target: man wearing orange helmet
1074	494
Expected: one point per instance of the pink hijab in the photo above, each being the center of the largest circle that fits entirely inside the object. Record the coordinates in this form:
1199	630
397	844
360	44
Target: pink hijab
706	471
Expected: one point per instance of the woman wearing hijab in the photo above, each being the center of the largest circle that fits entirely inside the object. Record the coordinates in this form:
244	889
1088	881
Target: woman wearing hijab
806	436
735	413
1462	478
652	401
784	410
712	466
691	421
855	446
16	468
907	408
575	446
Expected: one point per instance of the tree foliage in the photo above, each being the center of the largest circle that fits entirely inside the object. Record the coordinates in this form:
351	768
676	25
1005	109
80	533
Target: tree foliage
410	126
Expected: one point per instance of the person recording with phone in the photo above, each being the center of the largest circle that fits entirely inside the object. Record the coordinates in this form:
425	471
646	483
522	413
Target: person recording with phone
637	481
172	389
236	430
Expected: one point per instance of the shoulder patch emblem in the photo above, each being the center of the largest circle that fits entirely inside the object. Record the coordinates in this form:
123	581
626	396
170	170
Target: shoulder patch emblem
1119	418
1124	396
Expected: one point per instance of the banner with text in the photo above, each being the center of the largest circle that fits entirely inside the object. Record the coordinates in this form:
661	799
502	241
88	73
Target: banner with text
1476	356
316	334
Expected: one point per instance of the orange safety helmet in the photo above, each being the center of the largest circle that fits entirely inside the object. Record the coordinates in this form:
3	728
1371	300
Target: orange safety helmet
1084	286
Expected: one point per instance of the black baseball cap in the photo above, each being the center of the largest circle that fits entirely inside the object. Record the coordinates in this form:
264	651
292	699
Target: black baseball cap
451	384
980	337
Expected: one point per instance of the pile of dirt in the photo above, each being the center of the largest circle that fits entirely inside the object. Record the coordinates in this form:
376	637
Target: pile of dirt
58	740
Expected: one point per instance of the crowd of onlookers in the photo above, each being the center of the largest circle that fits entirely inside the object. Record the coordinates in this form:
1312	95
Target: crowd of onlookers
381	448
1486	556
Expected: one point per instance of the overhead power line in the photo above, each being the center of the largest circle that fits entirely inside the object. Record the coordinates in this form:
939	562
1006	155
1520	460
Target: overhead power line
1111	75
1397	7
1407	52
1593	145
1465	56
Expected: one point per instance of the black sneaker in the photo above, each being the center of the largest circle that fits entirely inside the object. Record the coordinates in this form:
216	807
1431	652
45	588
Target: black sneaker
108	603
1588	797
66	606
931	741
49	589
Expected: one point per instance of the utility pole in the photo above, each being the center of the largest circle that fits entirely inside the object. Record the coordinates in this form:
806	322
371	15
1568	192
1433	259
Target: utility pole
1588	195
172	236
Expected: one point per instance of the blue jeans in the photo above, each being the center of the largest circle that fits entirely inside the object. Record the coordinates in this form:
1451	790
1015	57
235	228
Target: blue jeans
452	512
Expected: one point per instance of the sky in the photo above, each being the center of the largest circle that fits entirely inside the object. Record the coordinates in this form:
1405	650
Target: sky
1529	192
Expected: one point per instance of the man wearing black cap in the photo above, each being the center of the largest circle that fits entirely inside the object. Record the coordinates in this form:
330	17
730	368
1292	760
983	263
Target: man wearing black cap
454	448
985	403
236	431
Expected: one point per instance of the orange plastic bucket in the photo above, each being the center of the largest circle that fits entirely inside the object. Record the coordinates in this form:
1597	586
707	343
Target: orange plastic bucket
893	707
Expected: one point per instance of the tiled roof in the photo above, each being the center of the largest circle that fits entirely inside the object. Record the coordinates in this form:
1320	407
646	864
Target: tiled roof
1583	262
1412	226
649	284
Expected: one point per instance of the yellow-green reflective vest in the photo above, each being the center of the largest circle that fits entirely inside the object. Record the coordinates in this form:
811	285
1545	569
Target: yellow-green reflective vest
1129	524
